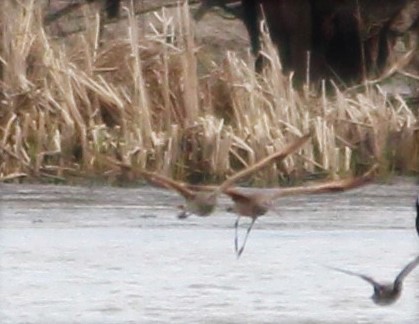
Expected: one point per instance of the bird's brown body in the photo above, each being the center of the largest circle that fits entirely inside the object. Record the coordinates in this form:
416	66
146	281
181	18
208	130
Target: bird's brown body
202	204
389	293
386	294
254	205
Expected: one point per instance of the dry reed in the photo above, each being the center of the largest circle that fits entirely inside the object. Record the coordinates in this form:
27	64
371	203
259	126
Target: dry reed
66	104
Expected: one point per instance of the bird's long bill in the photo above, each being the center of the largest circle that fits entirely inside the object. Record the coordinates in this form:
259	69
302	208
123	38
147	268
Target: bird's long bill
330	186
277	156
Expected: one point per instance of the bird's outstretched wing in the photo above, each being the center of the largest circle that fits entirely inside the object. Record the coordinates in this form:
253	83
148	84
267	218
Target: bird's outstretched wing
356	274
197	187
277	156
156	179
417	215
189	193
166	182
329	186
406	270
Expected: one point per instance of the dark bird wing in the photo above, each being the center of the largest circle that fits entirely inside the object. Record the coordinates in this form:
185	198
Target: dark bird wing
417	215
277	156
356	274
406	270
330	186
156	179
166	182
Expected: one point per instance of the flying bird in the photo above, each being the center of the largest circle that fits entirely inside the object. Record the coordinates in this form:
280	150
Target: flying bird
417	215
385	293
202	203
256	204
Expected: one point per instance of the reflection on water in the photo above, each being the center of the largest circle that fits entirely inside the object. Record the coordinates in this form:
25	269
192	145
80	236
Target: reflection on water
106	255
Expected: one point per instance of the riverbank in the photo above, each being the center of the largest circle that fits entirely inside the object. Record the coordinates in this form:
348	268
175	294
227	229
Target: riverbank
148	93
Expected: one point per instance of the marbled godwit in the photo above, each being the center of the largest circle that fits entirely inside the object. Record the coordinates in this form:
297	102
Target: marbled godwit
202	203
385	293
254	205
417	215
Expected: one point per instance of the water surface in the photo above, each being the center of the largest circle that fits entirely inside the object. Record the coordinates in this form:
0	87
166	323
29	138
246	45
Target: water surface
109	255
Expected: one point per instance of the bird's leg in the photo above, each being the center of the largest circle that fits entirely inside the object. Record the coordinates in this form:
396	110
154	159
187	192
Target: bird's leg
245	238
236	243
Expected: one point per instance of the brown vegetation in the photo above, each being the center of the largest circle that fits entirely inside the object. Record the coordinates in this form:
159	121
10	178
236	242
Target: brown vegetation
67	103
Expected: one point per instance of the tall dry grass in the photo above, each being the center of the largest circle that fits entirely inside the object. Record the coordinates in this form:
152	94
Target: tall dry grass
67	104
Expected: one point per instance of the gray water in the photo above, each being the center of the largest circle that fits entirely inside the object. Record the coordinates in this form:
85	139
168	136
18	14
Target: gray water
109	255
